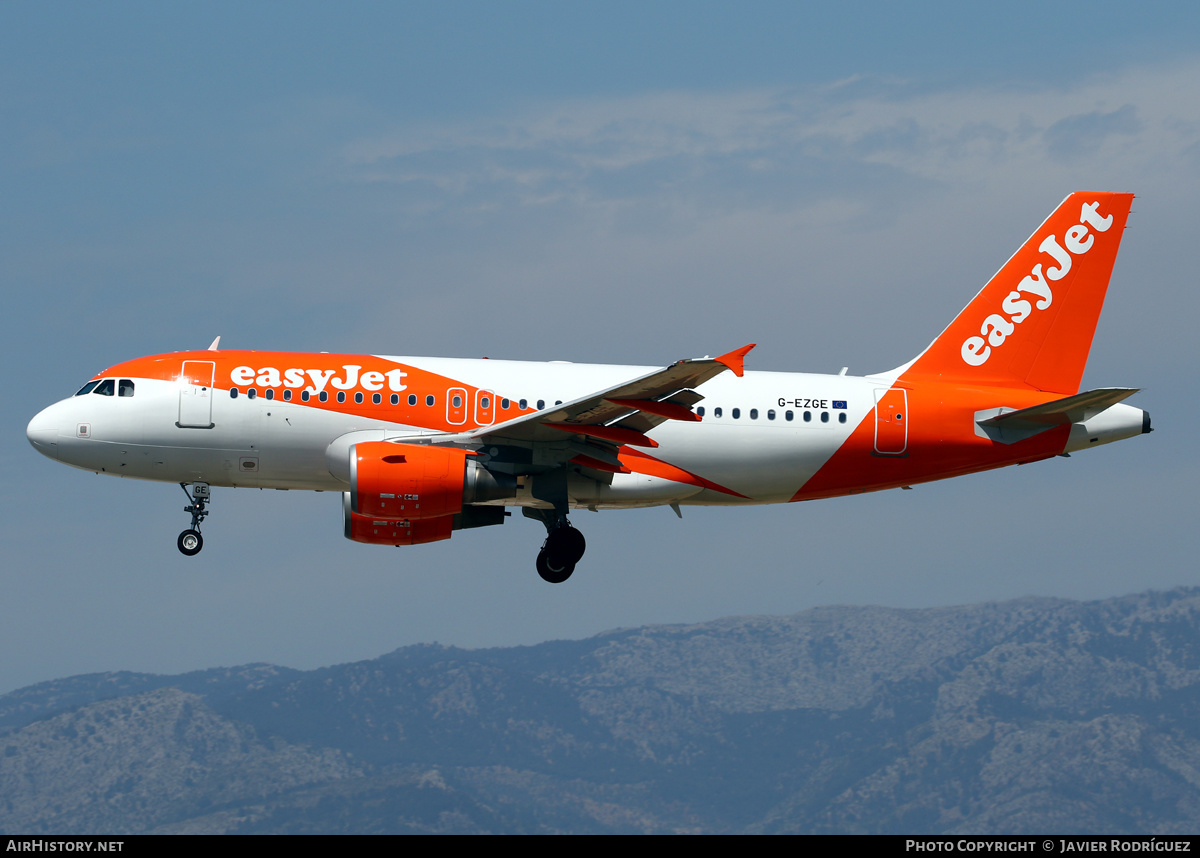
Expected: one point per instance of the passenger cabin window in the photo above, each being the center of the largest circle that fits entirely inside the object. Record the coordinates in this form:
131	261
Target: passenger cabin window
252	393
323	396
106	387
524	403
429	400
125	387
541	404
842	417
504	404
770	413
735	413
396	399
87	388
412	399
376	398
700	411
233	392
807	416
341	396
717	411
788	415
270	394
824	416
287	396
305	396
753	413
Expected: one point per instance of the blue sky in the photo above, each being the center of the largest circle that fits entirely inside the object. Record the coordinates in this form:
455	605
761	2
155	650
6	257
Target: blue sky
606	182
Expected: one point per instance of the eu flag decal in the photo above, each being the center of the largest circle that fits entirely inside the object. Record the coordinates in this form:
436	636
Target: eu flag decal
839	403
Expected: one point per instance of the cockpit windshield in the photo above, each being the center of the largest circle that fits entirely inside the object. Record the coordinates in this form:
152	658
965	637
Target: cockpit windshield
108	387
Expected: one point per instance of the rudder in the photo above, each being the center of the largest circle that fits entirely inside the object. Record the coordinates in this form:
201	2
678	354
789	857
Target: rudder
1032	324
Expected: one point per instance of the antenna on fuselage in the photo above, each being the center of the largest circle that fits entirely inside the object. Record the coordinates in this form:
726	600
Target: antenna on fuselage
213	347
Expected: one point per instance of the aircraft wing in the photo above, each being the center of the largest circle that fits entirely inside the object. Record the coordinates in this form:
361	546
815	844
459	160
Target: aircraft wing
589	430
620	414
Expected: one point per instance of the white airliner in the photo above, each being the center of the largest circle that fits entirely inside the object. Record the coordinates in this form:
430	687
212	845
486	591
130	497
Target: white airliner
421	447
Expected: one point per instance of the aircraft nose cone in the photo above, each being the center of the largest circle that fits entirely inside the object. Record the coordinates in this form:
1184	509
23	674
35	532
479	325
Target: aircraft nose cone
42	433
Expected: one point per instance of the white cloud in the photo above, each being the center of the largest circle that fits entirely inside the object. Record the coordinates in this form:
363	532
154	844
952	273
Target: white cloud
738	145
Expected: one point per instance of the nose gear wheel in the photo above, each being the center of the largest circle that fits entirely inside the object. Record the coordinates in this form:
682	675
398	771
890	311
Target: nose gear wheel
190	542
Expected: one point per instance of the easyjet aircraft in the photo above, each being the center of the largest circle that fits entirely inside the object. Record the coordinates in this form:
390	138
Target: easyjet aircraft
422	447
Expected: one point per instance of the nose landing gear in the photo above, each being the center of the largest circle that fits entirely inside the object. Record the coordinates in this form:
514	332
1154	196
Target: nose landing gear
190	541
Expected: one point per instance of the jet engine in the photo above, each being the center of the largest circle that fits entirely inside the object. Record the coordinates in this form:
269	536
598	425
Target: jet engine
385	531
409	494
407	481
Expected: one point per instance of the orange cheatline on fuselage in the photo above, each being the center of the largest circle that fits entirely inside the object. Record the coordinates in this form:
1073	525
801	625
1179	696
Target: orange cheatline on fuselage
940	442
643	463
333	374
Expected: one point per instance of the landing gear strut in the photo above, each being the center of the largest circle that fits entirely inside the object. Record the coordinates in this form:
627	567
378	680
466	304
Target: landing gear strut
190	541
563	548
564	544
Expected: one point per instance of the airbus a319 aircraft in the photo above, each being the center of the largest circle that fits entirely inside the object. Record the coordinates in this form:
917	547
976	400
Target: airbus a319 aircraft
422	447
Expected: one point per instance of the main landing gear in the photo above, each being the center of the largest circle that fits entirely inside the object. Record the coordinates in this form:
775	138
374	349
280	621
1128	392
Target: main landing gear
563	548
190	541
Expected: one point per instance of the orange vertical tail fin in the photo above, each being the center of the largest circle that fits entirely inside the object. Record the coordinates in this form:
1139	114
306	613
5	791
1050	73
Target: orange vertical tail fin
1032	324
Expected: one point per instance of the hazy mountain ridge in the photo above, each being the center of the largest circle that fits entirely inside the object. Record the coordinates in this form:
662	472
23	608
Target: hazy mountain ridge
1031	715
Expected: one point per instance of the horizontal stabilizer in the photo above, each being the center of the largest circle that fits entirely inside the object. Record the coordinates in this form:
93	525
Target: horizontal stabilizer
1008	426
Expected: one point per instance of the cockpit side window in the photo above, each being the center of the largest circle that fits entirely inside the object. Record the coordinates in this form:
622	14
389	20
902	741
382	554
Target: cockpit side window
106	387
125	387
87	388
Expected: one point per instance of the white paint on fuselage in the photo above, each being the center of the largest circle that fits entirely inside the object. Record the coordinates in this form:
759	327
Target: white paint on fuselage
765	459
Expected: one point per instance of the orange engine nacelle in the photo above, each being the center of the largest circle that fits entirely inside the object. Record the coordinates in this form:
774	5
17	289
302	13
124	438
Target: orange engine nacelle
388	531
411	482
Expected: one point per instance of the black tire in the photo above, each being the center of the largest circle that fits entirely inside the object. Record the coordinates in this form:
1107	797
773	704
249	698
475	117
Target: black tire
190	542
566	544
551	571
